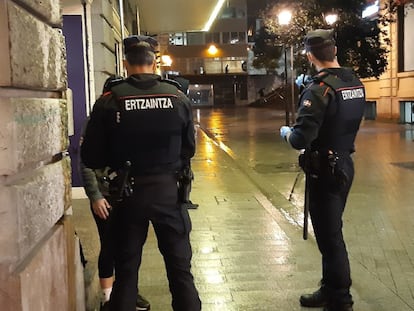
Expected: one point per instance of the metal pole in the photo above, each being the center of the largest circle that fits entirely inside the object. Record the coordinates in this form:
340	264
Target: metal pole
292	107
286	82
121	18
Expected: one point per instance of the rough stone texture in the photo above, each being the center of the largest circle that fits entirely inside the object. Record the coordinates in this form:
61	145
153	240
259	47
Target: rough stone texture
50	9
29	209
9	290
103	8
68	182
31	131
102	32
80	282
37	52
4	46
104	60
39	283
48	268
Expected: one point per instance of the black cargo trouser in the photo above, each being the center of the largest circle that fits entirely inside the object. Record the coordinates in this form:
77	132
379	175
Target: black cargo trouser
106	237
327	204
154	200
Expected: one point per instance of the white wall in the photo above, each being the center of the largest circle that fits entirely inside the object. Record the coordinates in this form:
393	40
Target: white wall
408	40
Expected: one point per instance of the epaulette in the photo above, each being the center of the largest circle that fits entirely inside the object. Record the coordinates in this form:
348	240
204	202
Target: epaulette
320	76
173	82
111	82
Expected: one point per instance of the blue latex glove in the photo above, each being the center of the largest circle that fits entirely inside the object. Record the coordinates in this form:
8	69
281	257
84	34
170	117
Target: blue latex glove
285	131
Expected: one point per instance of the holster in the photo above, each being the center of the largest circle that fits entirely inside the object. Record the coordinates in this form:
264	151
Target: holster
329	163
120	183
185	178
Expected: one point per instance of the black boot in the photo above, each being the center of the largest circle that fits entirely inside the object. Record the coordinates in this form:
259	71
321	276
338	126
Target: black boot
315	300
339	307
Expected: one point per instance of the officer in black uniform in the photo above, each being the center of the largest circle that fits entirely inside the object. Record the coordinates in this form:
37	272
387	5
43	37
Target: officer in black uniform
329	116
145	122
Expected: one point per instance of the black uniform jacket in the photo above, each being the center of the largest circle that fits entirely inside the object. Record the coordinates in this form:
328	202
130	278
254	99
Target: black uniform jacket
330	112
144	120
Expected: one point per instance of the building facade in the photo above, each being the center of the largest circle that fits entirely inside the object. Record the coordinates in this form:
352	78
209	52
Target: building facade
39	258
393	92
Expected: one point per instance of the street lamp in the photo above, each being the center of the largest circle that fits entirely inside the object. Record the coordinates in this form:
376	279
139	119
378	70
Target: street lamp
212	50
331	18
284	18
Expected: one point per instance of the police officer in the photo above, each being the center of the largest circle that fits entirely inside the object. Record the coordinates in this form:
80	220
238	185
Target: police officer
96	188
146	122
329	116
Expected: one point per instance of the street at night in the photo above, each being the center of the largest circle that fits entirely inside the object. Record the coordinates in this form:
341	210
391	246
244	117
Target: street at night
247	238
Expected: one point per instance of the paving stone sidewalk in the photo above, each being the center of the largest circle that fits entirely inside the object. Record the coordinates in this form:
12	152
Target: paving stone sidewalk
248	252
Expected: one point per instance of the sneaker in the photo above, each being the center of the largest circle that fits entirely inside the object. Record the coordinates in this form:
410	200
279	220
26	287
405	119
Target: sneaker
142	304
315	300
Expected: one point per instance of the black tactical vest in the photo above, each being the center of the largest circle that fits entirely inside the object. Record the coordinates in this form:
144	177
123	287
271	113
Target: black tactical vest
343	117
148	128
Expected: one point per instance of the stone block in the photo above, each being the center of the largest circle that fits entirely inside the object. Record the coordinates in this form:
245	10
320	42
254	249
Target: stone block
30	207
41	281
5	73
32	130
103	8
48	268
102	32
104	59
50	9
37	52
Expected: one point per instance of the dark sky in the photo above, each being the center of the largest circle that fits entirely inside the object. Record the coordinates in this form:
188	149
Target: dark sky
254	6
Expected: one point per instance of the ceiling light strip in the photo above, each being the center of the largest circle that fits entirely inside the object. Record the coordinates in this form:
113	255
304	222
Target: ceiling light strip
213	15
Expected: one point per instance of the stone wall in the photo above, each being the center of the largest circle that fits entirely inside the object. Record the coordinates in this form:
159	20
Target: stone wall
38	258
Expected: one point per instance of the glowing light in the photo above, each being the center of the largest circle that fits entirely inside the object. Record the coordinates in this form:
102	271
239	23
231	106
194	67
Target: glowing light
166	60
331	18
370	10
284	17
213	15
212	50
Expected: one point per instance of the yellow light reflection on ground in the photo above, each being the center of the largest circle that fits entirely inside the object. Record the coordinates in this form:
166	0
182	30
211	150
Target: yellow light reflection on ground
213	276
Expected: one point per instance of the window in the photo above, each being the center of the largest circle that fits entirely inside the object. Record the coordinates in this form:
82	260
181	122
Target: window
233	12
195	38
178	38
234	38
211	37
406	46
226	37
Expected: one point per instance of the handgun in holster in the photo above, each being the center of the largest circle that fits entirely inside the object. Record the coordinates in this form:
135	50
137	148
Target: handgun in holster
121	183
185	179
338	172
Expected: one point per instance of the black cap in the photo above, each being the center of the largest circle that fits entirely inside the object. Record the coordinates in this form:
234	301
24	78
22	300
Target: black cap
132	42
319	38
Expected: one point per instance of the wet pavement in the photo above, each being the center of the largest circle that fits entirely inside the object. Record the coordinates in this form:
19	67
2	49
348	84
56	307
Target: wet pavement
247	241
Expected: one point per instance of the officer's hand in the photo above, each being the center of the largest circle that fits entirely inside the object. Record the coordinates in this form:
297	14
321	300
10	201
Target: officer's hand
285	132
101	208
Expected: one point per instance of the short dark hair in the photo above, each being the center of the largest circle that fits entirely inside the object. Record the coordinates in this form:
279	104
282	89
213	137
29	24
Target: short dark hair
321	44
140	55
140	50
324	54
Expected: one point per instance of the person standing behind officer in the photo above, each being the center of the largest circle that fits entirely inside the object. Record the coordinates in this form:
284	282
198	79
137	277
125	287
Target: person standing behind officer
96	188
147	122
329	116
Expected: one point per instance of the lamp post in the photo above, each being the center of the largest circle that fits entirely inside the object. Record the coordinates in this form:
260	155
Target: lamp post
284	18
